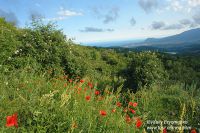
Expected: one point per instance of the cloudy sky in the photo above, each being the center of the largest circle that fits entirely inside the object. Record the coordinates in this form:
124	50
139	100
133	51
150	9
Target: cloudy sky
102	20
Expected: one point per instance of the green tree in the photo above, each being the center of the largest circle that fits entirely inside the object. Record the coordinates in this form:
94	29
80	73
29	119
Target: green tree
144	70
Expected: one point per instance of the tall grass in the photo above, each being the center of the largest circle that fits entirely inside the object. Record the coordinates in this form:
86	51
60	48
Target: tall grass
63	105
60	105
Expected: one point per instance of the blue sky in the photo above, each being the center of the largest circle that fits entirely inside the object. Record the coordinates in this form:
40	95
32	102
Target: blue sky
98	20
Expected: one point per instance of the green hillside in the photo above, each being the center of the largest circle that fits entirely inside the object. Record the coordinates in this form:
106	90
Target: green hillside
55	85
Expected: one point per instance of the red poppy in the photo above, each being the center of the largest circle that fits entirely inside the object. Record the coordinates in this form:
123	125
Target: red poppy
128	119
70	80
97	92
130	103
90	85
193	131
132	111
118	104
87	98
138	123
164	130
102	112
135	104
81	81
113	110
11	120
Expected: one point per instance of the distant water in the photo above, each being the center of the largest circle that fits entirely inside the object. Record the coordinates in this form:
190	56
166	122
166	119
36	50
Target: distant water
112	43
171	52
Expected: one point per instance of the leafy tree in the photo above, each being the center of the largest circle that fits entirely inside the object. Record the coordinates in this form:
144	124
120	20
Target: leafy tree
144	70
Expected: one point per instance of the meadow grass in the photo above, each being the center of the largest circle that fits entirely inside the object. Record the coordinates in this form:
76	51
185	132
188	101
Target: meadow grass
61	104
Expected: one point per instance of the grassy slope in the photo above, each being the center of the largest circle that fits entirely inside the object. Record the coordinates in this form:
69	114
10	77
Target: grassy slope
46	104
57	105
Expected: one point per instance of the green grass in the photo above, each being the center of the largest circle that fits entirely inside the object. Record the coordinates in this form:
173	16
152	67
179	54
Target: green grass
56	105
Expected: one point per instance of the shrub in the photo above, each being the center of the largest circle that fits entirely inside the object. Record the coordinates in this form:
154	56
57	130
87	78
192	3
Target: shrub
144	70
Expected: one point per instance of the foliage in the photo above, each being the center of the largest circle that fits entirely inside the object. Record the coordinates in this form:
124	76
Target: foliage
144	70
8	40
60	105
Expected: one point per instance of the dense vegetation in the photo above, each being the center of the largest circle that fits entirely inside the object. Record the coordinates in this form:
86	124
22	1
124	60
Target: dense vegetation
55	85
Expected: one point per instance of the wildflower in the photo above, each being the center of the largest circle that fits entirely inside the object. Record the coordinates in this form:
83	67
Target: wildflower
90	85
70	80
87	98
164	130
11	120
132	111
128	119
119	104
138	123
97	92
135	104
81	81
130	103
17	51
113	110
193	131
102	112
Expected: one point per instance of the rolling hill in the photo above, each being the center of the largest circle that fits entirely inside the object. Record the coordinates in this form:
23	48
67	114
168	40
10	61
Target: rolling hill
188	41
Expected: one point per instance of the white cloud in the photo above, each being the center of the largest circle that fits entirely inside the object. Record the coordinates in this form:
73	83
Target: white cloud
175	5
63	14
66	13
194	3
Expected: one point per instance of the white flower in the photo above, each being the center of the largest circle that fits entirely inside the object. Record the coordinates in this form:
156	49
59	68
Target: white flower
17	51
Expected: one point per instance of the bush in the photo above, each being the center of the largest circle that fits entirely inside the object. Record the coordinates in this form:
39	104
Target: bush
145	69
8	40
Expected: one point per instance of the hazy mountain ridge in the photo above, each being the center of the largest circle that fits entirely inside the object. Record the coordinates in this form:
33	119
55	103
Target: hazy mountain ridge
188	41
187	36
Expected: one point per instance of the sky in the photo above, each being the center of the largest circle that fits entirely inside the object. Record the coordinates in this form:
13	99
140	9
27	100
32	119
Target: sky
106	20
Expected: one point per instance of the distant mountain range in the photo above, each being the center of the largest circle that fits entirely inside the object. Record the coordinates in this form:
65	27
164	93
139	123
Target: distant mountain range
188	41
